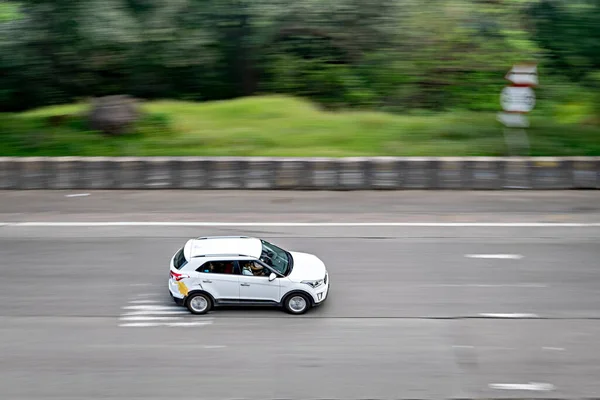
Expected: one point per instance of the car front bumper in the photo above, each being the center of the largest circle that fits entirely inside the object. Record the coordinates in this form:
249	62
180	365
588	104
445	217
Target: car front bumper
321	293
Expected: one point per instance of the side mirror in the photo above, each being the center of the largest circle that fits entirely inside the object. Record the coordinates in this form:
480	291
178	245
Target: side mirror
272	277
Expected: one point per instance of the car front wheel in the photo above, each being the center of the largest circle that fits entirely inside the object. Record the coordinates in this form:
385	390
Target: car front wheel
297	303
198	303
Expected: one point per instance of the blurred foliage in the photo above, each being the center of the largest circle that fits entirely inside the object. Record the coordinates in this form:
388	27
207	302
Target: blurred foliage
283	126
391	55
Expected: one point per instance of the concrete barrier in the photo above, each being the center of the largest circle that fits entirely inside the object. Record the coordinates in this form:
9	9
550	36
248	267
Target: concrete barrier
159	173
8	175
419	173
129	173
452	173
385	173
354	174
32	173
192	172
585	173
64	173
97	173
485	173
517	173
550	173
292	173
324	174
260	173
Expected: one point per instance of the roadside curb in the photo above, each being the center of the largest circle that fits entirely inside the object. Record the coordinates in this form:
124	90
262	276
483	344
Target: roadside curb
260	173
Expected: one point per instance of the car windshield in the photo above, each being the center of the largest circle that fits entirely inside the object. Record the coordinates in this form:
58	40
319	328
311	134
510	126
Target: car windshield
276	258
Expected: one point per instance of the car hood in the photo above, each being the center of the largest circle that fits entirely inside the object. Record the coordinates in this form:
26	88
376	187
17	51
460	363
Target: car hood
307	267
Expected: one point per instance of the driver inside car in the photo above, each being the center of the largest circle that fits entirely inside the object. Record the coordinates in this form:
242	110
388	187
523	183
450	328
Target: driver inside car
253	269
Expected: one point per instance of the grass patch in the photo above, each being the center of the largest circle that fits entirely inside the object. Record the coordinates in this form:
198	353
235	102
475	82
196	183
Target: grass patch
281	126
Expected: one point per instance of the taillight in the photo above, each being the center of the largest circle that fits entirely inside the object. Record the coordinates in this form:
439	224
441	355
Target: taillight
178	277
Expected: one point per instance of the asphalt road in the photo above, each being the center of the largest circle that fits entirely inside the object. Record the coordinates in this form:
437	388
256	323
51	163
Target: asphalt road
413	313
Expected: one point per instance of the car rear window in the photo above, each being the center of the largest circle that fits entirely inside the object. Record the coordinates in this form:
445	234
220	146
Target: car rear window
179	260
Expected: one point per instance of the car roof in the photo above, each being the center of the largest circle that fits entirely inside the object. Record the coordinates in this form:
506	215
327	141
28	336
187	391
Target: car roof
223	246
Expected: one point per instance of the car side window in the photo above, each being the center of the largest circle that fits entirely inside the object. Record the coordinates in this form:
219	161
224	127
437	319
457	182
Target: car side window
219	267
253	268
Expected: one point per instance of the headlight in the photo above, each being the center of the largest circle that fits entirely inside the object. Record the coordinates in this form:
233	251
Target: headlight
314	284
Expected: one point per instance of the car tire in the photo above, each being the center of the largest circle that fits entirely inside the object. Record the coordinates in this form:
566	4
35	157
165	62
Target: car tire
198	303
296	304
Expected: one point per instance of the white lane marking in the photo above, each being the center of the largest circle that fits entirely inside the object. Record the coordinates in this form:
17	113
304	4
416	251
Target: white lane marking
145	313
141	284
483	347
158	312
152	308
153	345
144	301
157	324
77	195
142	318
310	224
485	285
496	256
540	387
554	348
189	324
511	315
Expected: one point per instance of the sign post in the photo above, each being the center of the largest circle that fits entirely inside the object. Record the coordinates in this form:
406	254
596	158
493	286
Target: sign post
517	100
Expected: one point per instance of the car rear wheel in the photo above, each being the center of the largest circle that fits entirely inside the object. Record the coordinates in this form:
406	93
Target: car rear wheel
198	303
297	303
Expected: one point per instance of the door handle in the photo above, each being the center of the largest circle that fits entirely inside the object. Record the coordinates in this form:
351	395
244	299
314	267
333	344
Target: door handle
207	281
245	284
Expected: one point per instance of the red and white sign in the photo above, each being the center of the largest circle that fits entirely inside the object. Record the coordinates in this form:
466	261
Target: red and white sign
523	75
519	97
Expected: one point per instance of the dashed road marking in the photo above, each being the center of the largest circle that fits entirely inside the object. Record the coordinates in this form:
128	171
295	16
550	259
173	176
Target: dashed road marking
488	285
496	256
149	318
170	322
77	195
157	312
509	315
532	386
151	313
152	308
143	301
553	348
153	345
189	324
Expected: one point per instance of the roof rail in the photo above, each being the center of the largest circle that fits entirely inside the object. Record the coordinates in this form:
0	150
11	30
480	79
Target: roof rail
222	255
222	237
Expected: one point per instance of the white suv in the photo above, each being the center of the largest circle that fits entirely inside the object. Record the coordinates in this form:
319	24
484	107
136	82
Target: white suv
213	271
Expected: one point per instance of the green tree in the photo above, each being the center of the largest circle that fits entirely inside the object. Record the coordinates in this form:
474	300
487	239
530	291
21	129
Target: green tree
387	54
569	32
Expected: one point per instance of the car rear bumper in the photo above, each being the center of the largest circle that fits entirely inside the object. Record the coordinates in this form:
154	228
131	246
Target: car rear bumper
176	295
177	300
